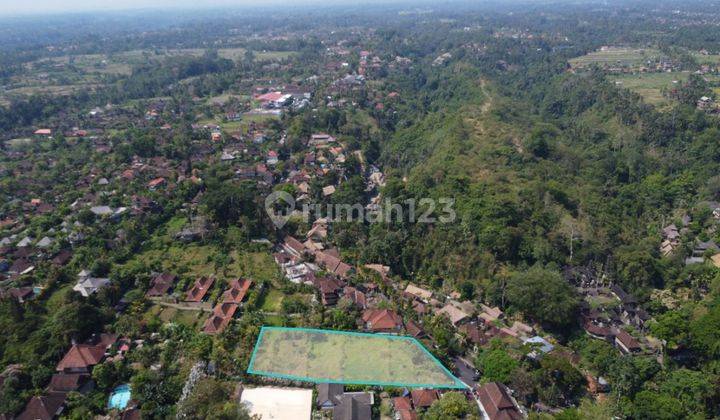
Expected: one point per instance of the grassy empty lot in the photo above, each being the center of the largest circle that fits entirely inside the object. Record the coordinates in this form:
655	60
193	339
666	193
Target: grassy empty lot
188	318
617	56
199	260
712	59
352	358
650	85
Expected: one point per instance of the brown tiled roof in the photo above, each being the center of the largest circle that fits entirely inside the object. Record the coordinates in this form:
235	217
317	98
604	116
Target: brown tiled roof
221	317
356	296
407	415
597	330
215	324
328	284
472	332
352	408
423	398
62	257
131	414
293	244
82	356
225	310
237	291
413	329
332	263
66	382
627	340
381	319
402	403
161	284
45	407
199	289
497	403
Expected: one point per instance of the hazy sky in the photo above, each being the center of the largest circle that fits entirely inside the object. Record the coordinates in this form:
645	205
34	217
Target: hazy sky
11	7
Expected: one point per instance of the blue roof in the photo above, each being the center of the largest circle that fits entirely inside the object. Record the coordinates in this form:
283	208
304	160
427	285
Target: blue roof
545	346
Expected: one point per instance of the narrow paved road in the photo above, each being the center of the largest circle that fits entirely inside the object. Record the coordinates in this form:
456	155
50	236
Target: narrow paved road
465	372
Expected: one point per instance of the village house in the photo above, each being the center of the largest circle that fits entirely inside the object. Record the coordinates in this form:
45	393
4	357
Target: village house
382	320
489	314
331	262
403	409
457	312
329	289
162	284
626	343
70	382
355	296
272	158
671	239
344	405
88	285
706	104
320	140
423	398
44	407
197	292
417	292
220	318
293	247
156	183
496	403
81	358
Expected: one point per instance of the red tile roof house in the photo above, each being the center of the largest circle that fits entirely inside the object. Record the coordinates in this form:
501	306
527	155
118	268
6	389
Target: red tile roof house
403	408
382	320
199	290
221	317
67	382
237	291
161	285
46	407
356	296
156	183
496	403
81	358
293	247
423	398
329	289
413	330
332	263
597	331
626	342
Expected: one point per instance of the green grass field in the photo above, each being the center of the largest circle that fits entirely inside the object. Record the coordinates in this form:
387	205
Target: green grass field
712	59
649	85
272	301
617	56
351	358
194	261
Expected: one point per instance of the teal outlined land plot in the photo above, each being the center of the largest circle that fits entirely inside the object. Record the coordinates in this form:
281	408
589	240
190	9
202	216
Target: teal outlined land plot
348	358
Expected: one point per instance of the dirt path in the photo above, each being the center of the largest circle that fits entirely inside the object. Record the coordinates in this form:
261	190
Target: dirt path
485	108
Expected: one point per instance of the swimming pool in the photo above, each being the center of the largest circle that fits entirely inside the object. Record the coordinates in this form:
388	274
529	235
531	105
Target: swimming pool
120	397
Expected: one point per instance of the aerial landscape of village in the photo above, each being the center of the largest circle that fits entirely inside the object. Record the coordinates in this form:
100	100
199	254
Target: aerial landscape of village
355	210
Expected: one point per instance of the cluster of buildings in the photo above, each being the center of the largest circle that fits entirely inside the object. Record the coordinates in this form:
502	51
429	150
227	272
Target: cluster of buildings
74	374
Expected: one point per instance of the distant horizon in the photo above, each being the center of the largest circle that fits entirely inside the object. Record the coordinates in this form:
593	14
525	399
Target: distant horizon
12	8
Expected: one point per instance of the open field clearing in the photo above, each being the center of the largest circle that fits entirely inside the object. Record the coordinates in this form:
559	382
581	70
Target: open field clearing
617	56
651	85
346	357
